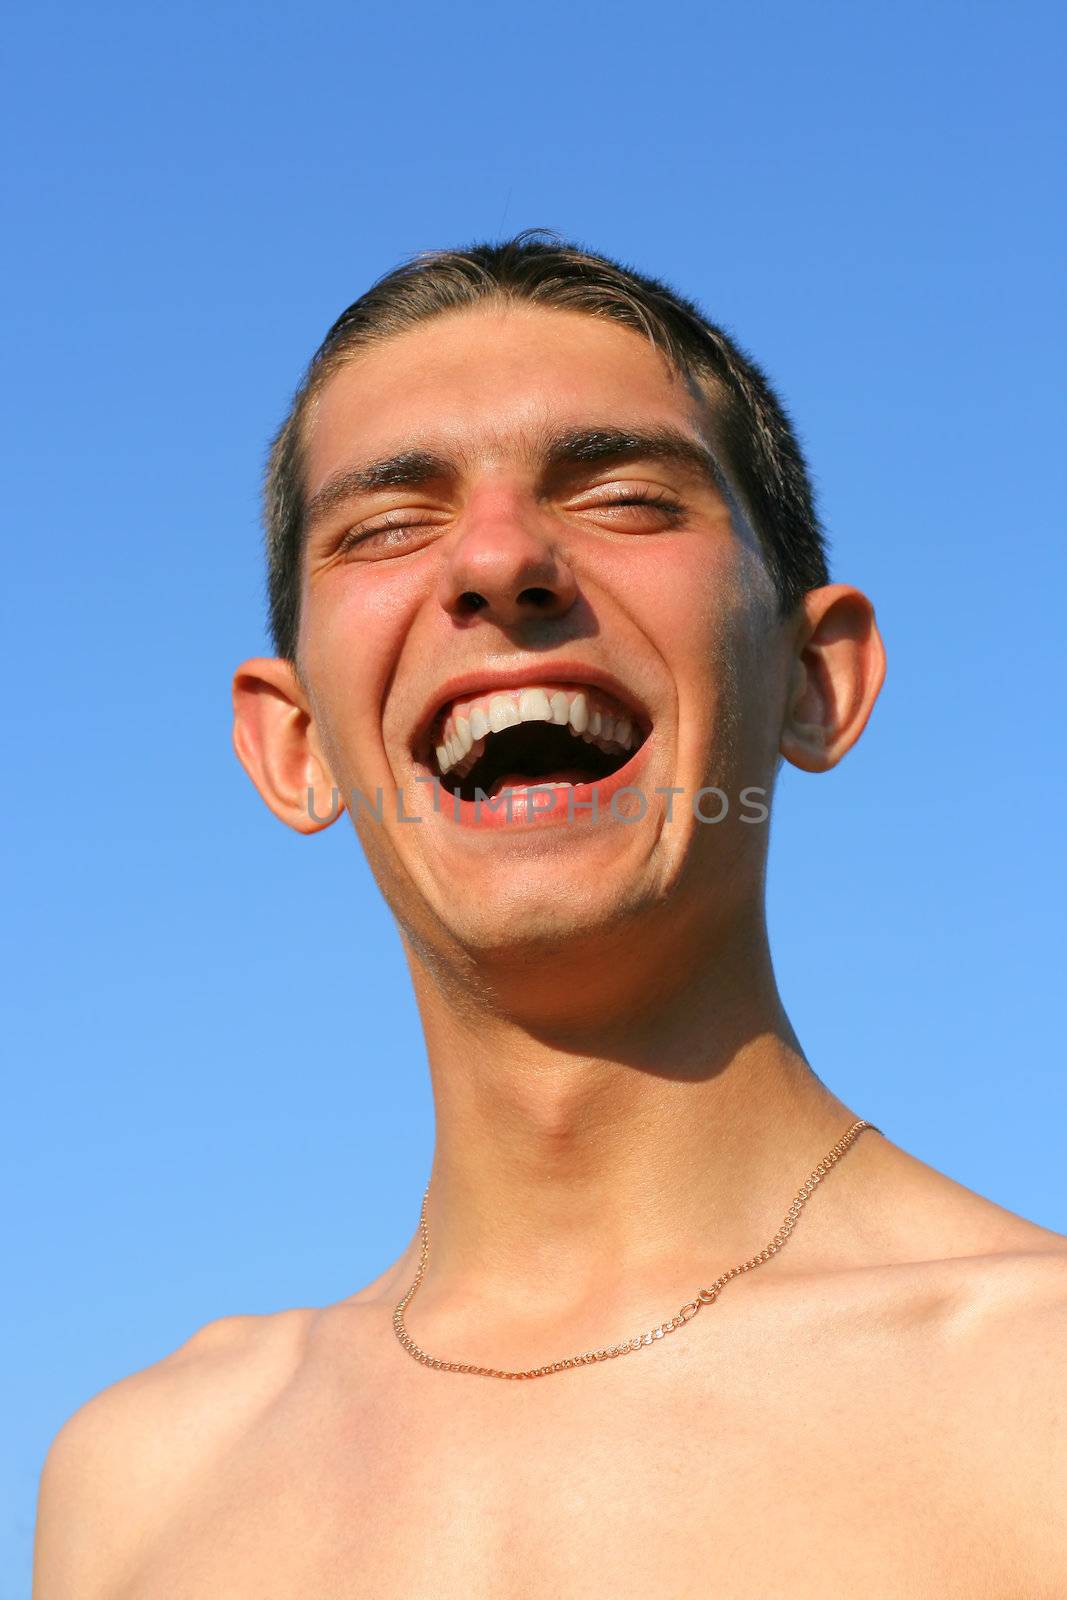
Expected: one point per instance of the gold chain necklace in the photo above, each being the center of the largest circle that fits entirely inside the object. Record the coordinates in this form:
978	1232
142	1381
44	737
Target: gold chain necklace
704	1297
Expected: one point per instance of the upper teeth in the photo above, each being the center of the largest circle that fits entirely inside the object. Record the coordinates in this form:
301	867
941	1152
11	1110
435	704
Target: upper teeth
588	714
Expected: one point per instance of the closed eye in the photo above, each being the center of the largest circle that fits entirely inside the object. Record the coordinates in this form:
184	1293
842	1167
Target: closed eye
626	505
399	531
621	505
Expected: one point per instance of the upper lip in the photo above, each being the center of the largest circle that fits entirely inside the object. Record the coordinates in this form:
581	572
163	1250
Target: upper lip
487	681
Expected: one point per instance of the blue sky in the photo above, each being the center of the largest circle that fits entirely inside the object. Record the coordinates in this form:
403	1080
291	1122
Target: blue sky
217	1092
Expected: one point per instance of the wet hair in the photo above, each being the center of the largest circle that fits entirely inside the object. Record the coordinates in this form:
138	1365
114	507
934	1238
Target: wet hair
757	446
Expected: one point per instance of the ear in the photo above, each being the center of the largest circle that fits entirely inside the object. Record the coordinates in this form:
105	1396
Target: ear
838	669
277	743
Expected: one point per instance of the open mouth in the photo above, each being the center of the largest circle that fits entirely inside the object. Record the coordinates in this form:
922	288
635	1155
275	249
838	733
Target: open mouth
552	734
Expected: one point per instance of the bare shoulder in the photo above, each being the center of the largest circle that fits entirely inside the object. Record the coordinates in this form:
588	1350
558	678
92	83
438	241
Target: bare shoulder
966	1308
1020	1308
120	1464
1020	1325
1004	1284
1008	1366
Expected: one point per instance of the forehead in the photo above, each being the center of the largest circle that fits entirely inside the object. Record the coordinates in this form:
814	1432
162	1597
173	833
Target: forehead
489	382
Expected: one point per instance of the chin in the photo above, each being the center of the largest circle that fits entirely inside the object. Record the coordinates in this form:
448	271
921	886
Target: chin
544	926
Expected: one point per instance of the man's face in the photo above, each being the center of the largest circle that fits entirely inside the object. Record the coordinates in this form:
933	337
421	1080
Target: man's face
514	540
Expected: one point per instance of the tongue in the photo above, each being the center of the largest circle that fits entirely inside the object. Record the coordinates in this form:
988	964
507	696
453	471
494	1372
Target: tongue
522	780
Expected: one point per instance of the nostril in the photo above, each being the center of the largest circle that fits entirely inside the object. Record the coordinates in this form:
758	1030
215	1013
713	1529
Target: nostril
471	601
536	597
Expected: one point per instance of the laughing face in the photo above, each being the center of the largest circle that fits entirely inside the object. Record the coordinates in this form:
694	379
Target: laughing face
532	610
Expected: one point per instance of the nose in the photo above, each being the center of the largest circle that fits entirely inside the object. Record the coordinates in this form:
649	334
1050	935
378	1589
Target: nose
505	568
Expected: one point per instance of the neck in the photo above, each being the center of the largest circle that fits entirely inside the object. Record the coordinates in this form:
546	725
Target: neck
615	1152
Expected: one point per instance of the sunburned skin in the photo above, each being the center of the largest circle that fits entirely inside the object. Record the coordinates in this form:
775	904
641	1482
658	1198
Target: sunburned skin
624	1112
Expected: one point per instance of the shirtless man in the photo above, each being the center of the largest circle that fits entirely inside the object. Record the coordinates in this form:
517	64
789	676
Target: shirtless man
524	488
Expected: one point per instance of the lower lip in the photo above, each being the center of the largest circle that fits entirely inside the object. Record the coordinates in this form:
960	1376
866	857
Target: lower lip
539	806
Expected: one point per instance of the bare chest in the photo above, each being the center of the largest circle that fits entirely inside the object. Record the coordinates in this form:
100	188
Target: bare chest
821	1471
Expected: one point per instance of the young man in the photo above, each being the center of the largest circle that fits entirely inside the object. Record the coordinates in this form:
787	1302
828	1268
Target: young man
550	605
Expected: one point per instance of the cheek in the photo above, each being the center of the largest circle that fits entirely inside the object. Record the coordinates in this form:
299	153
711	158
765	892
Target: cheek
714	611
689	596
351	641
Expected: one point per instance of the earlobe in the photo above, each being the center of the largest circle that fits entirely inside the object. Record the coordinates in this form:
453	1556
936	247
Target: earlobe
837	671
276	742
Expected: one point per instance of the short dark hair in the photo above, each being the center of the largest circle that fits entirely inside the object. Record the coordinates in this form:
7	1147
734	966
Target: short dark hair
763	457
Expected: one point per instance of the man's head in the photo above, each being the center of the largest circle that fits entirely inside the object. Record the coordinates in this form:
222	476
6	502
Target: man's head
532	520
759	448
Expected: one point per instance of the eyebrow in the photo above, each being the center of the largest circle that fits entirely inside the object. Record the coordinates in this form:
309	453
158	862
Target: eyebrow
405	470
593	446
570	447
